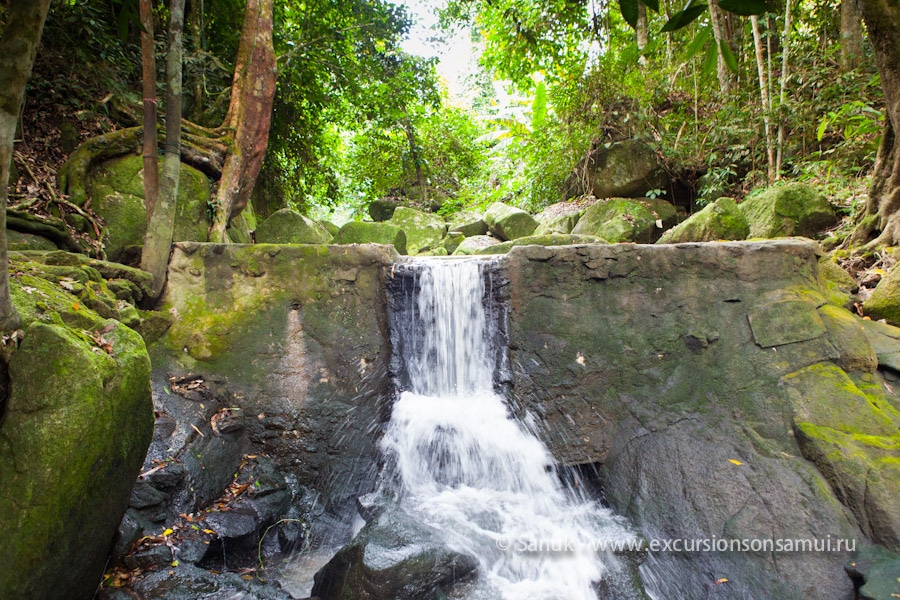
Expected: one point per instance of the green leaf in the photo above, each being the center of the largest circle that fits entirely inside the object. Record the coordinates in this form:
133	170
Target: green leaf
709	61
651	4
728	57
684	17
820	132
698	42
747	8
629	11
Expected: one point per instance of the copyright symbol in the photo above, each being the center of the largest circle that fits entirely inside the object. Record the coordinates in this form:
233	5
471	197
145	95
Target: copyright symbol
503	543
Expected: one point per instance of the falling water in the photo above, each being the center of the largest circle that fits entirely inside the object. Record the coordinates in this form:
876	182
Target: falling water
464	466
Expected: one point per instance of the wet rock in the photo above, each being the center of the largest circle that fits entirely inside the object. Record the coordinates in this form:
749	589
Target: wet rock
392	558
875	569
188	582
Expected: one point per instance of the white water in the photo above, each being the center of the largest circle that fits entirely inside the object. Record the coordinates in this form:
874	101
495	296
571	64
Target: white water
470	470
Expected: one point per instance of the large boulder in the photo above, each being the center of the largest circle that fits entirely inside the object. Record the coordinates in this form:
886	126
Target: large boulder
424	231
721	220
884	303
783	211
287	226
711	382
626	169
467	223
471	245
73	436
117	195
559	218
618	220
394	557
508	222
362	232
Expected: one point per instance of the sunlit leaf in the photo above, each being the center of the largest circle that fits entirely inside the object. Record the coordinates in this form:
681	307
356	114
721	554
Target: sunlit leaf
734	462
698	42
728	57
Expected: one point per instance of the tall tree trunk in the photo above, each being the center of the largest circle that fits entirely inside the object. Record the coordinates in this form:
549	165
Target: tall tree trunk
642	32
717	18
158	241
148	68
881	219
18	47
194	20
782	94
851	35
765	98
249	115
416	158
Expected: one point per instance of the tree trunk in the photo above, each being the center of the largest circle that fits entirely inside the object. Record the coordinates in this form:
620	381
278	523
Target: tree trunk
642	32
717	18
148	68
18	47
881	219
782	94
194	18
160	228
417	160
765	98
851	35
249	115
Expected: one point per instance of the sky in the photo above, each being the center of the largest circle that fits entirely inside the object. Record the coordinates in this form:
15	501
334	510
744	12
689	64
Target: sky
458	57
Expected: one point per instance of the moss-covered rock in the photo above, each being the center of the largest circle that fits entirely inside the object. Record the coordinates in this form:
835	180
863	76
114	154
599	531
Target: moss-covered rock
627	169
240	228
424	231
72	441
362	232
508	222
838	283
330	227
16	240
884	303
452	241
885	341
559	218
853	437
721	220
472	244
288	226
618	220
877	569
664	211
550	239
117	195
788	210
467	223
848	335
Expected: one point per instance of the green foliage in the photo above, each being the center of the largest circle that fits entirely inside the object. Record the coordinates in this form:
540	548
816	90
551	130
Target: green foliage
379	160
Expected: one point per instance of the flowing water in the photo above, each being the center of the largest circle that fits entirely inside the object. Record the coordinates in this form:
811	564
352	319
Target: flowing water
462	464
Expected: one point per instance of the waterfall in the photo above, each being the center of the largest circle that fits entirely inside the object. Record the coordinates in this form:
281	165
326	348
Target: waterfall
463	465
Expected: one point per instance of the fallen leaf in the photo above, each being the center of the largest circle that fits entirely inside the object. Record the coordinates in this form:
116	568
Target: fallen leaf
734	462
719	581
168	531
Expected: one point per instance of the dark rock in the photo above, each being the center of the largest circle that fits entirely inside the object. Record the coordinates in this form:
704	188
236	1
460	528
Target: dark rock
187	582
151	559
144	495
627	169
392	558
